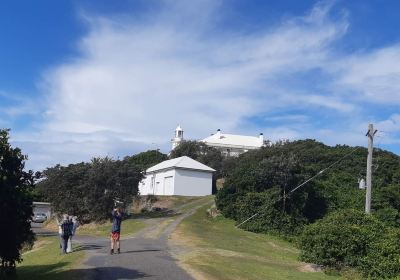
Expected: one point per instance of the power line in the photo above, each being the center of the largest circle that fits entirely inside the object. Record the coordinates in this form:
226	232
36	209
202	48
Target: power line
305	182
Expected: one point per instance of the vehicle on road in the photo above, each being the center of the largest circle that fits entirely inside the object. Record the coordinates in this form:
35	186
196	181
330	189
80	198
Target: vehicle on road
39	217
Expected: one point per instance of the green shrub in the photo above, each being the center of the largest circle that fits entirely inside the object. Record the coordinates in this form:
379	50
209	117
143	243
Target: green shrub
383	257
389	216
270	215
340	239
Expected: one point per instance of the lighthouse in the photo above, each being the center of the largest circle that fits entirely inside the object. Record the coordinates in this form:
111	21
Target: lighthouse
178	137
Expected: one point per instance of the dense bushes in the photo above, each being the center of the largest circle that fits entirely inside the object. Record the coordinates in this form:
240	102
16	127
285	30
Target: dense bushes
383	257
340	239
146	159
350	238
270	216
262	186
285	165
88	190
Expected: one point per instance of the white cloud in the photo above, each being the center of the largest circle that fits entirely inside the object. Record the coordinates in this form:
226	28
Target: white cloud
16	105
136	79
144	78
374	75
390	125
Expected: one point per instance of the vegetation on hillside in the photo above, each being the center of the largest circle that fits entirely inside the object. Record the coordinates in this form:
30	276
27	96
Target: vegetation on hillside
146	159
350	238
88	190
271	172
260	184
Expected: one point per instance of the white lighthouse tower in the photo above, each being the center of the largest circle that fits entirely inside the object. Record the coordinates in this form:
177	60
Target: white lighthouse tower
178	137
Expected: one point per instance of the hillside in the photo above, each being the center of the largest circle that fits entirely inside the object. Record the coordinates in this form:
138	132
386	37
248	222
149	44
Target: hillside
271	172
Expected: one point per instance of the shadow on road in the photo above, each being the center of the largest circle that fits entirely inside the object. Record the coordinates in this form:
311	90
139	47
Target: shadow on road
88	247
155	214
140	251
51	272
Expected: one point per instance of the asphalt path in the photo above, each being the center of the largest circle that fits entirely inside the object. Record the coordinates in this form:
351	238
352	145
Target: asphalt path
145	255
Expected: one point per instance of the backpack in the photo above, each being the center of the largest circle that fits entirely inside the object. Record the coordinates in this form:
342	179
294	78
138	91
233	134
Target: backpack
66	228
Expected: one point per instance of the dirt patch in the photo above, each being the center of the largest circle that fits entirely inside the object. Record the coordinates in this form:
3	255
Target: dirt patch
273	245
220	183
310	267
156	229
164	203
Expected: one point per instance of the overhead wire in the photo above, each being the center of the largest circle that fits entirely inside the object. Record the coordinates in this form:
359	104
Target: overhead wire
305	182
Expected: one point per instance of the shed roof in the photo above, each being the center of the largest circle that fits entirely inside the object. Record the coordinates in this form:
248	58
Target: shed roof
181	162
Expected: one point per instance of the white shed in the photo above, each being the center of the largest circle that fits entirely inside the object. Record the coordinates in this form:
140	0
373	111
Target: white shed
178	176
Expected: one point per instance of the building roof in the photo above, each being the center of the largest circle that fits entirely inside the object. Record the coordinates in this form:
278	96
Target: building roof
233	140
181	162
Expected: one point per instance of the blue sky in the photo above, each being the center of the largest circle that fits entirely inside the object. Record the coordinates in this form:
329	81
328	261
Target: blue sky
80	79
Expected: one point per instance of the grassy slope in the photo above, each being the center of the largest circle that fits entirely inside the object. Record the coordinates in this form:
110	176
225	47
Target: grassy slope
128	227
46	262
133	225
220	251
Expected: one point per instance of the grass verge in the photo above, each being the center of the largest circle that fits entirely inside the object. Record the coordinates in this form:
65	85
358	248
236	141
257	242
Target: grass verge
215	249
128	227
44	262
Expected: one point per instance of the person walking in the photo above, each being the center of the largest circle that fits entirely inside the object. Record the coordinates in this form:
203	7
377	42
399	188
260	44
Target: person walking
116	230
73	224
59	233
66	232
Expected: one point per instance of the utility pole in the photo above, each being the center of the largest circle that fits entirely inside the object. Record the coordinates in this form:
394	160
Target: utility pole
370	134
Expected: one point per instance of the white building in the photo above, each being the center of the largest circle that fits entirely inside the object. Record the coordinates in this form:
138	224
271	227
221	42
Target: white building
229	144
233	144
178	176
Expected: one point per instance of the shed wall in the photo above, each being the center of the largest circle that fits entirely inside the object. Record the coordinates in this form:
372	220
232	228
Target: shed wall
193	182
159	183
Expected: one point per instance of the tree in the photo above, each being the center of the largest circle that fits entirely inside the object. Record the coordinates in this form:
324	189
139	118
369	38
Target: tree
88	190
263	187
15	203
147	159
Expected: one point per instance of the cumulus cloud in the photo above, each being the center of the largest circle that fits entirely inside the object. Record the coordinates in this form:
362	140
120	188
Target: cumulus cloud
137	78
143	78
375	75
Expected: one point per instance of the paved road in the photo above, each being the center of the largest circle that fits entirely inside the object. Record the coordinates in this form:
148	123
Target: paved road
143	256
